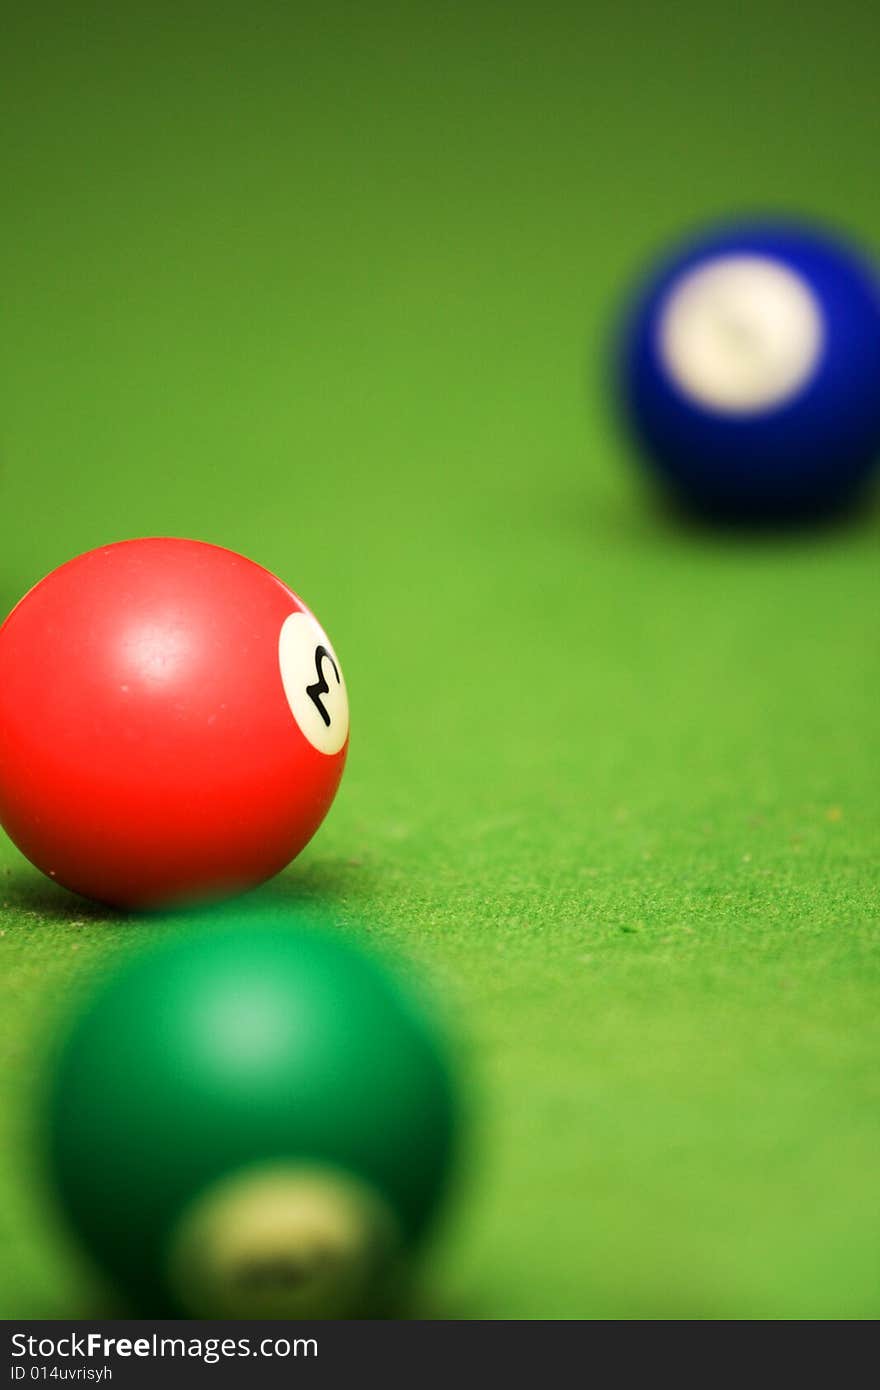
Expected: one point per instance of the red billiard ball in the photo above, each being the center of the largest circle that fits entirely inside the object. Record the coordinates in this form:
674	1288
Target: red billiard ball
173	723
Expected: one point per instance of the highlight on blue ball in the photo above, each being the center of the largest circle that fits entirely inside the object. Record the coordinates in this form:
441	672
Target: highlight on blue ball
749	371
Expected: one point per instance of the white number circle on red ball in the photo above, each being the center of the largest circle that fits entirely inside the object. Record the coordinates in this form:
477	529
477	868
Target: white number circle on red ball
741	333
313	682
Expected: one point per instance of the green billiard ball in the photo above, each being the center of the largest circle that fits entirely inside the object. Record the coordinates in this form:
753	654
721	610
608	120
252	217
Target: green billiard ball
254	1122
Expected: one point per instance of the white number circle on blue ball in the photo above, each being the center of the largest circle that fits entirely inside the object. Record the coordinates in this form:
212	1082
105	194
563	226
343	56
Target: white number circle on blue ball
741	333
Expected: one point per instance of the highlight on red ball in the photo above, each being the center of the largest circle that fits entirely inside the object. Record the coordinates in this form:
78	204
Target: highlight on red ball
174	724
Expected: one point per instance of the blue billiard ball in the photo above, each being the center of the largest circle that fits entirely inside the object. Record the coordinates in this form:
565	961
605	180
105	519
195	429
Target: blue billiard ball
750	371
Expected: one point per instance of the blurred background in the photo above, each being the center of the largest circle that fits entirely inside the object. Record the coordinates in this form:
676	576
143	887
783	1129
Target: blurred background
333	285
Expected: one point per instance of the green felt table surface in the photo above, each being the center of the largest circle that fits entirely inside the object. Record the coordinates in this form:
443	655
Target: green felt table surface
332	285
